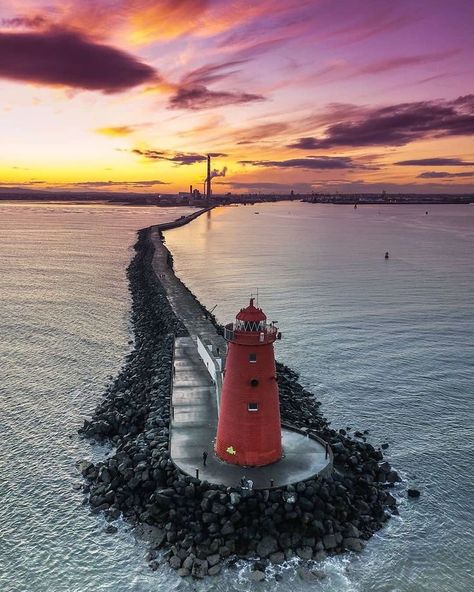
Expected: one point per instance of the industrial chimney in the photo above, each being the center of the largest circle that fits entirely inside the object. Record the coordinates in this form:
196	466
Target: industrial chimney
208	194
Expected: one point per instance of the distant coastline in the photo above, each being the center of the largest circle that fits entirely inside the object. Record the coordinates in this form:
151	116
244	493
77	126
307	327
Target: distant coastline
167	200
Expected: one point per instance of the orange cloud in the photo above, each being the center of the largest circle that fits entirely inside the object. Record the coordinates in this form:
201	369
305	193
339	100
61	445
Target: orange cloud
119	130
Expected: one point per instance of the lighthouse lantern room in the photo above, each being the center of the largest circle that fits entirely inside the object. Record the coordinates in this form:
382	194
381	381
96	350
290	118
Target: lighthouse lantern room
249	426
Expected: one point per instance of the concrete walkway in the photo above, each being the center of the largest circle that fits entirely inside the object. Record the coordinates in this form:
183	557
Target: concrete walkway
182	302
194	405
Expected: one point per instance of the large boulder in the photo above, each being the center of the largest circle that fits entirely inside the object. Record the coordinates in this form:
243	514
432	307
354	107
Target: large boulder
353	544
257	576
200	568
267	546
329	541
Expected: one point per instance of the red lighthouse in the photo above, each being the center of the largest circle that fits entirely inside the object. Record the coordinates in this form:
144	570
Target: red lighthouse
249	428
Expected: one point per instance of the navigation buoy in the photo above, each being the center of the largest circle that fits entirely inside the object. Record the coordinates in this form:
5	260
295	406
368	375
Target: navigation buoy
249	426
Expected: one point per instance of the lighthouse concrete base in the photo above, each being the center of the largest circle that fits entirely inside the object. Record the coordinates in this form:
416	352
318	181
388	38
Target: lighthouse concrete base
193	429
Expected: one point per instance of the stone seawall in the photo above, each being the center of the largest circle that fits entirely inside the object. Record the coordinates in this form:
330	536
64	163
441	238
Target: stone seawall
198	527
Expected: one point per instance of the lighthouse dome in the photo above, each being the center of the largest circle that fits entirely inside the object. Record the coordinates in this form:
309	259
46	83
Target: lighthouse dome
251	313
250	318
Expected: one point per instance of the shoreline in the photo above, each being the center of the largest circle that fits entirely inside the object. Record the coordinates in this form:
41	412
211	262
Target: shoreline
198	527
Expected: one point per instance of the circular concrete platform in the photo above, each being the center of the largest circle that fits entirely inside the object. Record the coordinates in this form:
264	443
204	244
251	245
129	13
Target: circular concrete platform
303	457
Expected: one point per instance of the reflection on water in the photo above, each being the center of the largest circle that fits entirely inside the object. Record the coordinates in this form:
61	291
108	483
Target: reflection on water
386	345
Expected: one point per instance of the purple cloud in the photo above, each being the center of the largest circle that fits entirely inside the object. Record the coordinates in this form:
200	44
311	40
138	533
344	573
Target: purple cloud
197	97
435	162
211	73
150	154
443	175
66	58
310	162
307	143
192	92
397	125
268	186
18	22
179	158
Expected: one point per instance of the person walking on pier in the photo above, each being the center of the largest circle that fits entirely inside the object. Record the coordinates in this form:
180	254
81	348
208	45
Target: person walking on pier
204	458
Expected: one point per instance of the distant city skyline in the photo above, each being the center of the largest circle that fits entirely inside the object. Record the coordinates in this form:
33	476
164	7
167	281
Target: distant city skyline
309	95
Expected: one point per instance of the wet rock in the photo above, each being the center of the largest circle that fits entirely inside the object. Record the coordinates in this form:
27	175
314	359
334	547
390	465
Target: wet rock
111	529
175	562
329	541
214	570
309	576
413	493
277	558
353	544
256	576
304	553
200	568
267	546
213	559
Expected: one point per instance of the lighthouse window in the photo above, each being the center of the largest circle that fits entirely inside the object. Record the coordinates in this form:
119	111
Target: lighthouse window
254	382
252	406
252	357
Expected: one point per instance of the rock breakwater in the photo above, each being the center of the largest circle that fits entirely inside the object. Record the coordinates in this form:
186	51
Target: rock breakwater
196	526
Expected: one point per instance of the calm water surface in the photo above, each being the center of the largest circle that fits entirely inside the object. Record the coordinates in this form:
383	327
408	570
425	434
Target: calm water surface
64	309
386	345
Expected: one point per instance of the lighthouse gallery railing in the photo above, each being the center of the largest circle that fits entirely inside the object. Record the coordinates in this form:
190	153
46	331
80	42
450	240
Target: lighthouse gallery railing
231	332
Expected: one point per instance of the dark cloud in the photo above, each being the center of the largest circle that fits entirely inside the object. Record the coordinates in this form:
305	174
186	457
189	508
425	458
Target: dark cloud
443	175
308	143
19	22
150	154
267	186
310	162
435	162
66	58
146	183
179	158
192	91
197	97
186	158
397	125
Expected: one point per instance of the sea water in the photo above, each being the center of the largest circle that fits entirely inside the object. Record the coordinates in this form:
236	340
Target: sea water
64	323
386	345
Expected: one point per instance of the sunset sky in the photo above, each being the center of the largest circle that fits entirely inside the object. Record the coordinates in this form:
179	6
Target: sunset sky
310	95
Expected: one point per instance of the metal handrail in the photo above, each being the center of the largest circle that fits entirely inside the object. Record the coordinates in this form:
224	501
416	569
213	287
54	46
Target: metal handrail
230	331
